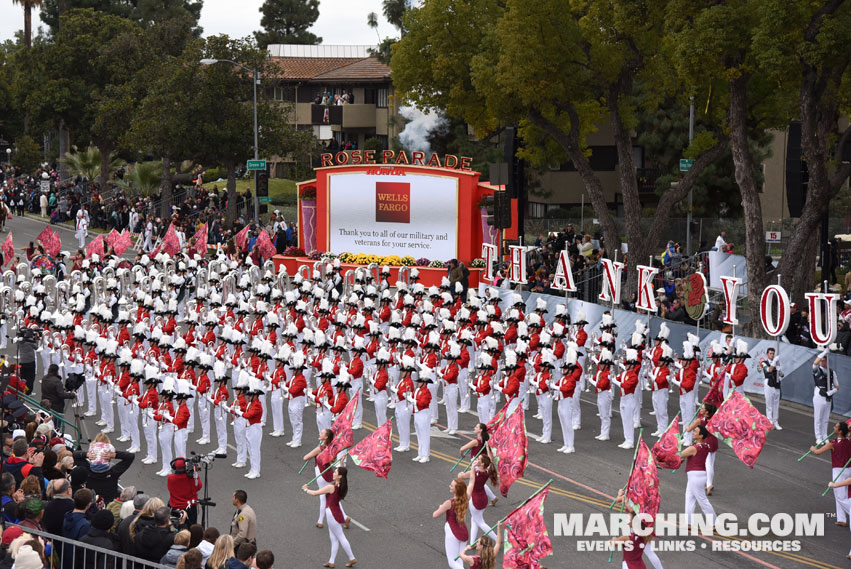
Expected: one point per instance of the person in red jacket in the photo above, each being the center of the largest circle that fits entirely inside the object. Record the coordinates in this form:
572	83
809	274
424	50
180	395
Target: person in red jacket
422	415
449	376
603	388
279	383
627	381
565	392
737	372
659	386
181	418
685	380
296	391
183	489
340	399
254	430
379	383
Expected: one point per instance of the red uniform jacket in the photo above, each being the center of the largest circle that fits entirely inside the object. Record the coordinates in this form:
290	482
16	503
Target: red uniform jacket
450	374
298	385
629	381
422	398
406	385
254	413
381	379
340	402
603	381
181	420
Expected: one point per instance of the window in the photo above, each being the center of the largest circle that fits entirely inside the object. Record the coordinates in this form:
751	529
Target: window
382	97
537	209
281	93
370	96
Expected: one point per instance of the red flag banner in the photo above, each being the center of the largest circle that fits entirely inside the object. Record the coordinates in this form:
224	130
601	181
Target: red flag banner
55	245
45	237
741	426
241	239
200	237
171	244
124	241
375	451
642	489
527	540
715	396
8	249
264	246
112	238
497	419
510	448
666	450
342	427
95	247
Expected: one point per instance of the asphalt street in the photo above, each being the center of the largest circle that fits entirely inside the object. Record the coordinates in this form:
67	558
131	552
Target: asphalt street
392	523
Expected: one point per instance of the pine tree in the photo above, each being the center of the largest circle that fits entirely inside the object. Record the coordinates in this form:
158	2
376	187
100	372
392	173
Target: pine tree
288	22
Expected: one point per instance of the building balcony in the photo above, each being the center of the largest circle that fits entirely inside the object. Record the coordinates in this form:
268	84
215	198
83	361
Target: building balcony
358	116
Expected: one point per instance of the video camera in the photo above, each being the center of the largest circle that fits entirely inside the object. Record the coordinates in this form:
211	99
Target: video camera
28	335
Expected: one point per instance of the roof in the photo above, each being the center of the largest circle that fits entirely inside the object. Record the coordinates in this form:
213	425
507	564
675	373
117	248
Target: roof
325	69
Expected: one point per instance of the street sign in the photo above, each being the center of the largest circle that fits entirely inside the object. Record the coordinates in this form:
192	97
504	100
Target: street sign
686	164
256	165
264	200
772	237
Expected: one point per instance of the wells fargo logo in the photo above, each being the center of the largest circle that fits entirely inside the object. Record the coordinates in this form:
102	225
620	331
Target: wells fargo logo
393	202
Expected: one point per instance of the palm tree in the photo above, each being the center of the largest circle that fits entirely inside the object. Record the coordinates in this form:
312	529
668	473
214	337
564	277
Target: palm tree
86	163
144	177
372	22
28	19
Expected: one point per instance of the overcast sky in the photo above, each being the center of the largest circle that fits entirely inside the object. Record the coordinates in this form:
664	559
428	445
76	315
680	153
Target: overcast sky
341	22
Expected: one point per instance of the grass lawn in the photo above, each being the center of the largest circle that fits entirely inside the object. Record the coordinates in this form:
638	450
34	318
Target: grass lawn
282	192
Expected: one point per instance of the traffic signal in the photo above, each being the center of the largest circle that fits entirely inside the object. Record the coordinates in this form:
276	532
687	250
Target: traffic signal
263	183
490	206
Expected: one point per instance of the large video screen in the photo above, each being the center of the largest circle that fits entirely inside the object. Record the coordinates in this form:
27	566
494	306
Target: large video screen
382	214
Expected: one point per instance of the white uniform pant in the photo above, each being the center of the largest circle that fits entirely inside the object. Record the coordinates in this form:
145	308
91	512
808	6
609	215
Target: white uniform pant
840	495
463	390
338	538
545	406
710	469
576	409
403	423
357	387
190	425
149	426
92	394
323	418
433	406
772	403
166	435
627	408
204	416
604	407
821	415
381	407
660	407
484	408
131	413
277	405
239	426
254	436
450	398
638	399
123	426
295	410
220	416
262	398
477	522
180	438
422	424
453	547
687	413
565	418
696	494
107	413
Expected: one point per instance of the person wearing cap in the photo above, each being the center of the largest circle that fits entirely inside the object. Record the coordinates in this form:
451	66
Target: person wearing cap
296	388
106	378
404	391
33	514
183	488
254	429
449	377
147	405
769	367
685	379
602	382
659	386
99	535
541	385
10	534
627	382
219	400
181	420
378	382
237	409
422	415
164	417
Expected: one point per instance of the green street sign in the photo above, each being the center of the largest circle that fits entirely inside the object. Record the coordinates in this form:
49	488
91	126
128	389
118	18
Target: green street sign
264	200
686	164
256	165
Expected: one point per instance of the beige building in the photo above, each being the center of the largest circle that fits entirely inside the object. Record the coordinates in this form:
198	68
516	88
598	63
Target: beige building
312	77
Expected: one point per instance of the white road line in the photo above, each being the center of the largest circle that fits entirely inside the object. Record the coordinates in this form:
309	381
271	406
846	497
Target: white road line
360	525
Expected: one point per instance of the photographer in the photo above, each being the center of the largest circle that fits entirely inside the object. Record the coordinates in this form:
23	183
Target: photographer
183	487
53	389
27	344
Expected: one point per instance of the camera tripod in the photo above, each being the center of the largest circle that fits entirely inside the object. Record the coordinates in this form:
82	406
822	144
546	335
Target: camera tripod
205	502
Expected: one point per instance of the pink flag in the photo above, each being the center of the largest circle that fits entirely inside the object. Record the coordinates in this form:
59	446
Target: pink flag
45	236
342	427
95	247
264	246
200	238
527	540
741	426
642	488
241	239
123	242
171	244
112	238
8	249
375	451
667	448
510	448
54	246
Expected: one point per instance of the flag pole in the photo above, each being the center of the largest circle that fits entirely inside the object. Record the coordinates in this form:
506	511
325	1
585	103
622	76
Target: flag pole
339	458
526	501
837	476
818	444
459	460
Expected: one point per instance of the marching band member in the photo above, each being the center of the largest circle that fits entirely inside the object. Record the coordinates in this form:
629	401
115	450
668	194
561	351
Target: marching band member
566	390
219	401
238	409
542	388
253	417
685	379
404	409
455	527
296	389
334	493
627	381
204	362
485	403
449	377
840	454
356	369
323	394
826	386
181	417
695	456
150	403
704	413
421	401
603	388
279	383
130	398
164	416
737	372
769	366
511	382
481	473
107	377
379	385
659	386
